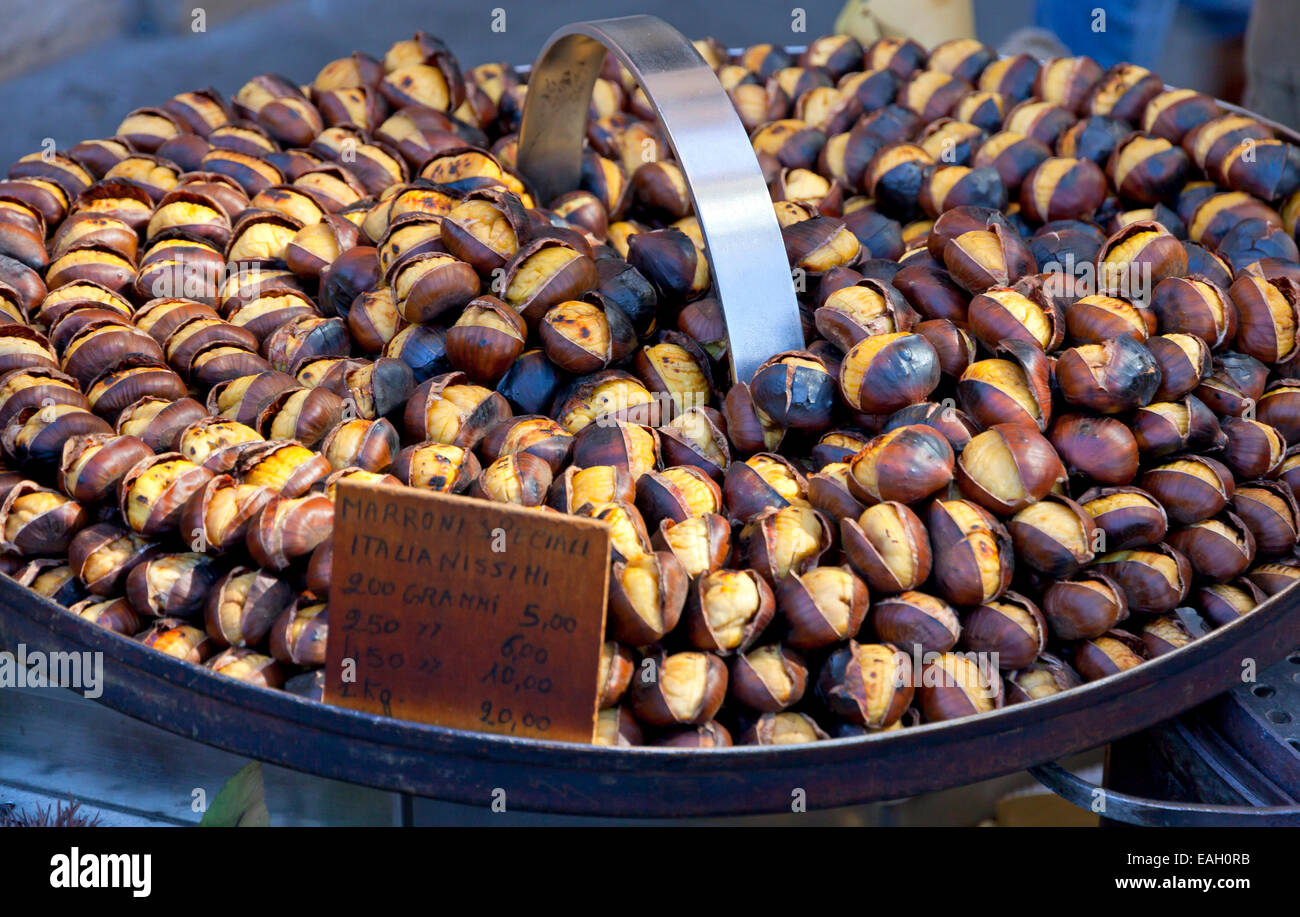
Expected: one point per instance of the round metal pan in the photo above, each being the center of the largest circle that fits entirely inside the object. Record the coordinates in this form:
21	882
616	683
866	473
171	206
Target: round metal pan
468	767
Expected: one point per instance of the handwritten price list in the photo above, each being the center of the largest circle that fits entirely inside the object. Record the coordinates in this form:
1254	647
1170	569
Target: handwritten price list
466	614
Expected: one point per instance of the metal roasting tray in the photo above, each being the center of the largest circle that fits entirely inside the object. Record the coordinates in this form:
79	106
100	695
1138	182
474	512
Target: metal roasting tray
467	767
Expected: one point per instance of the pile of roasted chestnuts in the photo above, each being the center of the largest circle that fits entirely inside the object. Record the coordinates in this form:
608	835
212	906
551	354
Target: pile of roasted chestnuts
1042	431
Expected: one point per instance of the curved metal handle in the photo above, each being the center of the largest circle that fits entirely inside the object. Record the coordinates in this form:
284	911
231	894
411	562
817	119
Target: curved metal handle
746	253
1135	810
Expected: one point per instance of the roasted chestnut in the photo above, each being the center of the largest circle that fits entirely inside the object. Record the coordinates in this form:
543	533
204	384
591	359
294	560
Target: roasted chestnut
171	585
867	683
115	615
696	437
288	468
178	639
1219	549
367	444
648	592
1117	375
785	728
441	467
1155	580
1055	536
701	543
1165	427
289	528
1102	448
449	410
1137	257
682	688
677	493
1045	677
1183	360
595	484
36	521
1223	603
978	559
675	371
783	540
1013	388
991	257
727	610
245	665
603	398
905	465
1008	467
93	465
889	545
768	678
1010	630
1084	607
1028	312
1061	188
583	337
1109	654
1254	449
795	390
36	436
52	578
617	727
1268	315
1147	169
217	517
486	339
299	634
155	490
956	685
1013	155
243	605
916	622
547	272
1269	510
761	481
822	606
103	554
889	371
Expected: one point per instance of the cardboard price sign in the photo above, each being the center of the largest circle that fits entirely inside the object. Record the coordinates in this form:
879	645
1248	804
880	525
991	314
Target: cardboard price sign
465	613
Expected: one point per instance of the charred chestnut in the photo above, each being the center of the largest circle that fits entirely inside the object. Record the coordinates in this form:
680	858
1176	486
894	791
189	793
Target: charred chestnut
1109	654
867	683
956	685
685	688
1154	580
889	371
1115	376
904	465
289	528
727	610
1008	467
171	585
768	679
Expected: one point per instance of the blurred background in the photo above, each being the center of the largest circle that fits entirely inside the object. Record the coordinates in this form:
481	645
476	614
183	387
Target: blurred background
70	69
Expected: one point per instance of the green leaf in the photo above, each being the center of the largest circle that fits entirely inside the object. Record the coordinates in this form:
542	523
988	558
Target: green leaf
241	802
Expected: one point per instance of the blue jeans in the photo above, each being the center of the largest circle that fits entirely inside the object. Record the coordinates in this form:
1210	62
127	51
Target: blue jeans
1131	30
